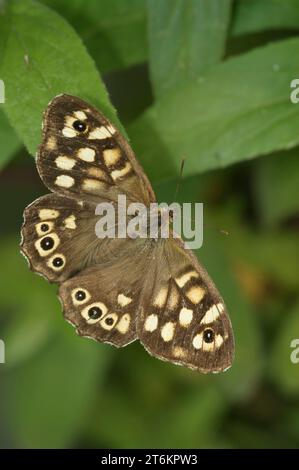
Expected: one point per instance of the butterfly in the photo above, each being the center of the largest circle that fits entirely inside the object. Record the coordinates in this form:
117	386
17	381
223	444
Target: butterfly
117	290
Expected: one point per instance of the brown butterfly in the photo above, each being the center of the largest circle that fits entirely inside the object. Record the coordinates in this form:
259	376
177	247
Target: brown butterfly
117	290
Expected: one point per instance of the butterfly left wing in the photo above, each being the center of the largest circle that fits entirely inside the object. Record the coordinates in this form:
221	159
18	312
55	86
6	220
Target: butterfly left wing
182	317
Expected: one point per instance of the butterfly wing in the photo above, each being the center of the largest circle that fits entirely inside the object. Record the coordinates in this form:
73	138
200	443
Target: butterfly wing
59	239
182	317
83	155
102	302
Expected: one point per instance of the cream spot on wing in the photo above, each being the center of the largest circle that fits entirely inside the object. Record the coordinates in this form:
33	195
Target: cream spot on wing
69	132
179	352
69	120
167	331
41	250
123	300
182	280
97	173
212	314
208	347
70	222
86	154
41	225
109	321
51	143
151	323
100	133
197	341
80	115
111	156
91	185
161	297
195	294
218	341
116	174
220	307
111	129
64	181
124	323
65	163
78	301
51	262
185	317
173	299
85	311
45	214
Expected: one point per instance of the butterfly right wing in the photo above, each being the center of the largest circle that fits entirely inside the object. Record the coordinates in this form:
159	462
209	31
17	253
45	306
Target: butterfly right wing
82	155
102	302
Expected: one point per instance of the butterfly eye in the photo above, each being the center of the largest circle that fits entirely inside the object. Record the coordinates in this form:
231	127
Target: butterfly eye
79	126
208	335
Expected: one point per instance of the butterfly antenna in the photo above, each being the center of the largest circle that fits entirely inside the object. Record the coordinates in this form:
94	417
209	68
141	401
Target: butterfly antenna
180	178
211	227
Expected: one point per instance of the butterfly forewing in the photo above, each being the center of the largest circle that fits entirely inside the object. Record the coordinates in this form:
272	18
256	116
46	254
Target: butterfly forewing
83	154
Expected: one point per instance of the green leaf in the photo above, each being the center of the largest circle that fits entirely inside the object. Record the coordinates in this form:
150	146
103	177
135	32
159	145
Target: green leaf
185	38
51	375
282	370
119	26
9	141
273	254
36	71
238	110
277	186
26	330
49	397
256	15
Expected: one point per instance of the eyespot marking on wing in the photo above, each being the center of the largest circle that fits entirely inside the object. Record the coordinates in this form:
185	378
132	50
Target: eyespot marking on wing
80	296
57	262
47	244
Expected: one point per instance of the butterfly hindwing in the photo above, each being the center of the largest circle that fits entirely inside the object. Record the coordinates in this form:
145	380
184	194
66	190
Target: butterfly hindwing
83	155
183	318
102	301
56	235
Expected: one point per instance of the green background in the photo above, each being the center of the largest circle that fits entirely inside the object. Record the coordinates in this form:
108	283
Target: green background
208	81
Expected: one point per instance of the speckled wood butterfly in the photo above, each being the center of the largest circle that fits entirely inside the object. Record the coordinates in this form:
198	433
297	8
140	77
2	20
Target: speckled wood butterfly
122	289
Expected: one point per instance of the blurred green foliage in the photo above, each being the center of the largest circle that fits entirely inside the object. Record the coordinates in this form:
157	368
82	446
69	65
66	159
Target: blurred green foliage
209	81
